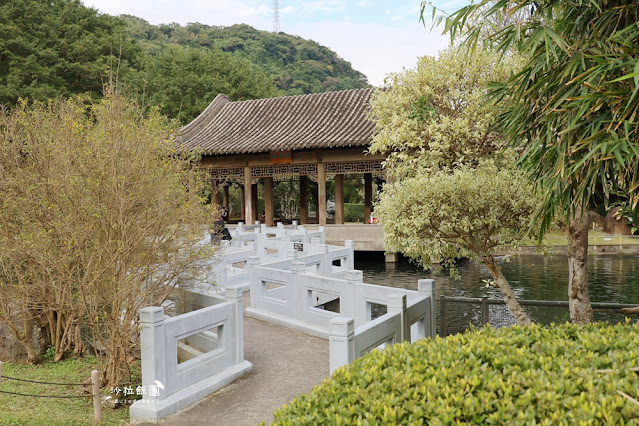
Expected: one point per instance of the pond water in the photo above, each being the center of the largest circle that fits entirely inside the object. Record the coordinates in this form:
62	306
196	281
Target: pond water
612	278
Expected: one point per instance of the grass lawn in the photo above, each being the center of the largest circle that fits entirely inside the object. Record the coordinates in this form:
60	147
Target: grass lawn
595	238
23	410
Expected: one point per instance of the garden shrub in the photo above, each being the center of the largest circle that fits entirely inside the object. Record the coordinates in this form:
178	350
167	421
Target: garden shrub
353	212
562	374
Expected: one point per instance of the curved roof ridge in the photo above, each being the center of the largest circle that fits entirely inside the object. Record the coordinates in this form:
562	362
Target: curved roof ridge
216	104
306	95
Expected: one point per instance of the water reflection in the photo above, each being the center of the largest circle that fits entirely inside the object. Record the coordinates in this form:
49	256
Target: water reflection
612	278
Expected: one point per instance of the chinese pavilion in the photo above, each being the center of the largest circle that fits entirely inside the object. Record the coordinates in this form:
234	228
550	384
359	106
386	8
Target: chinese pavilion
320	137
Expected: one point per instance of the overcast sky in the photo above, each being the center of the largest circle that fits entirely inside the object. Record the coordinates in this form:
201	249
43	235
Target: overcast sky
377	37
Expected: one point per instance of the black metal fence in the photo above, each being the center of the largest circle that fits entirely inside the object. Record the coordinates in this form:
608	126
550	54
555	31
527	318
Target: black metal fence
456	316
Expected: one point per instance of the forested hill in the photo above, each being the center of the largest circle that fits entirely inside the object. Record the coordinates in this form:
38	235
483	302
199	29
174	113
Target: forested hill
296	65
62	48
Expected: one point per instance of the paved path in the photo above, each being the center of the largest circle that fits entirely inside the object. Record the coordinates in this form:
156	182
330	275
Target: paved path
285	364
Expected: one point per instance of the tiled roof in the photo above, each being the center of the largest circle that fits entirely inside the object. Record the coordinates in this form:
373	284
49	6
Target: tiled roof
321	120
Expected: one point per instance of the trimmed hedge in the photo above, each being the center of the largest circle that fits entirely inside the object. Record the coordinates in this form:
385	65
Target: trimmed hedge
546	375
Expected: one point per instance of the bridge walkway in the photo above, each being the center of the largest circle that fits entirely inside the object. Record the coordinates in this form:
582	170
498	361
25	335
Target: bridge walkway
285	362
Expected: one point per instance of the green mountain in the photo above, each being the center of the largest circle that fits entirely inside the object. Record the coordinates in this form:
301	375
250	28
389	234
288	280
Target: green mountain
62	48
296	65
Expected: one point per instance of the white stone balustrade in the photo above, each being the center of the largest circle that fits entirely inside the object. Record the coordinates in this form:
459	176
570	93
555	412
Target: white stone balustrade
272	244
404	321
172	385
293	276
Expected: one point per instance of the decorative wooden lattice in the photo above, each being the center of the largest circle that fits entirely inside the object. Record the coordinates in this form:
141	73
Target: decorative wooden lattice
236	174
284	170
227	173
354	167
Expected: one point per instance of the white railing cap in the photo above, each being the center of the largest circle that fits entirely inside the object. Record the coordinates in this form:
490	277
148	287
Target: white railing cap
341	327
426	285
151	314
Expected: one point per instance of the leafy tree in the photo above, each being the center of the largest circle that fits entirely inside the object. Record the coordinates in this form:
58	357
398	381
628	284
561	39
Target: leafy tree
59	47
467	212
572	107
96	222
454	190
183	81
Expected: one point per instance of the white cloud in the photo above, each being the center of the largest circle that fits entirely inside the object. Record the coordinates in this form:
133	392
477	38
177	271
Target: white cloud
309	8
257	13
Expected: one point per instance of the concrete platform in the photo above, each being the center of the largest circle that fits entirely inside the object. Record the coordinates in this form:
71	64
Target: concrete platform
286	363
366	237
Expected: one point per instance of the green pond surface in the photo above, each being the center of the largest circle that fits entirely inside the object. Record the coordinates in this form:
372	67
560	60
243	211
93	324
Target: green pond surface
612	278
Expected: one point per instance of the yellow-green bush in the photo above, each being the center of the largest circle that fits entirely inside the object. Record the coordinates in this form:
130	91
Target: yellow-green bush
563	374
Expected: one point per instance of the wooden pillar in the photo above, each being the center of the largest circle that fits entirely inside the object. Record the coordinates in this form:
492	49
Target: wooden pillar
303	200
256	212
316	201
339	199
268	201
242	208
215	193
249	219
225	197
321	193
368	196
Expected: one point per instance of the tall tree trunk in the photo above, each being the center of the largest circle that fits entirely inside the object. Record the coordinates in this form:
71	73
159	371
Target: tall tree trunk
578	296
513	305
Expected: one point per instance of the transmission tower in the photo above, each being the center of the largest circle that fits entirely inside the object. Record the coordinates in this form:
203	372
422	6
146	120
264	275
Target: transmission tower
276	17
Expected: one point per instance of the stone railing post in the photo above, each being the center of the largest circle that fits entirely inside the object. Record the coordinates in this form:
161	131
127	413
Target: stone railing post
153	352
234	295
240	228
352	306
397	304
427	288
291	253
263	229
322	235
295	225
350	259
341	344
325	265
254	282
296	289
286	248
